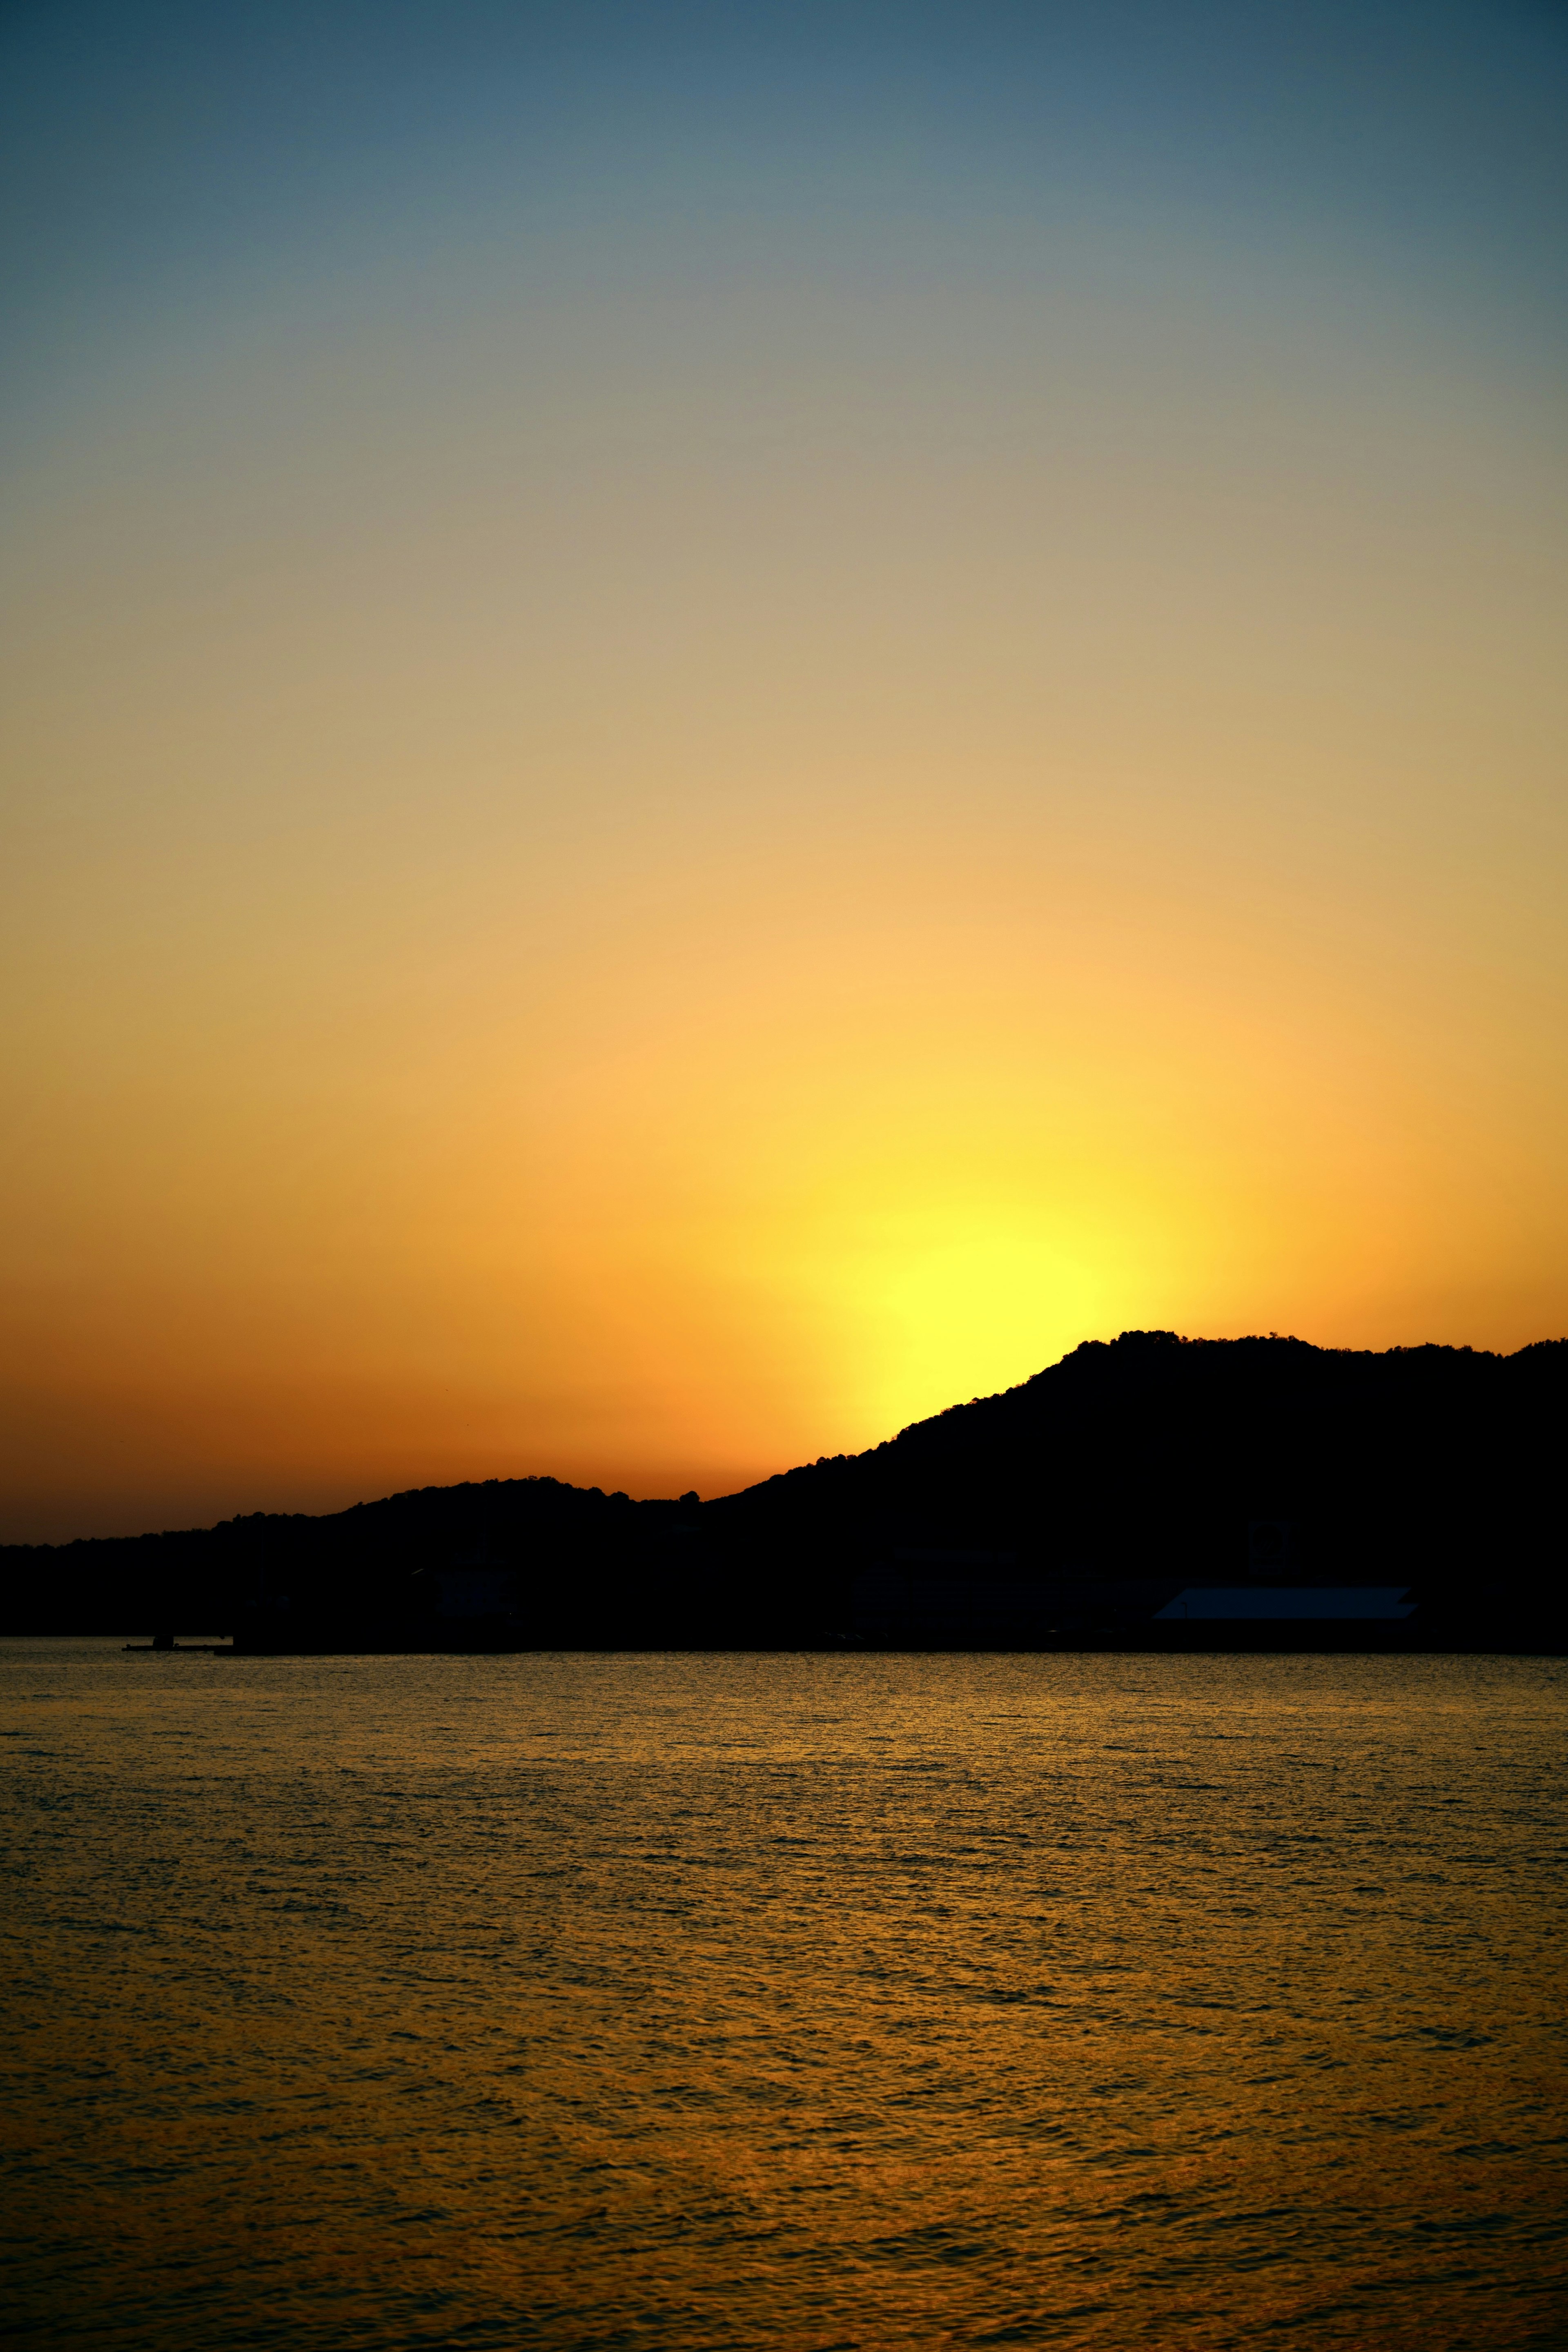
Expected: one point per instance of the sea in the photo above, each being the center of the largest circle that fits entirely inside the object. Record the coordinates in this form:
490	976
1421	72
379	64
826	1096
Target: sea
806	2002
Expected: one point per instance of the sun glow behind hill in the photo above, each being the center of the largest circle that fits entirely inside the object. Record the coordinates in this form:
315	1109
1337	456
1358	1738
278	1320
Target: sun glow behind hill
715	739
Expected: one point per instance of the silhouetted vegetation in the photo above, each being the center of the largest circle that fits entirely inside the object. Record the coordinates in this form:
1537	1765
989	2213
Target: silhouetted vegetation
1148	1456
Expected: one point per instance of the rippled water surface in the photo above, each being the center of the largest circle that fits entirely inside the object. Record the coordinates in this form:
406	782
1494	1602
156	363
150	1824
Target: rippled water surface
783	2001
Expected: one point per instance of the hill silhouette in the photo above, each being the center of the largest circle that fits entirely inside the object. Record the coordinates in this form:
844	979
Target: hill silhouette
1150	1457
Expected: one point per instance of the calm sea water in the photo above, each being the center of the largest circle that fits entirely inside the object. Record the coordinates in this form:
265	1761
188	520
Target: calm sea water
783	2001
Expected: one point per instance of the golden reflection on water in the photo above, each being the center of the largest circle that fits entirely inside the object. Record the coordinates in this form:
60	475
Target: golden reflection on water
791	2001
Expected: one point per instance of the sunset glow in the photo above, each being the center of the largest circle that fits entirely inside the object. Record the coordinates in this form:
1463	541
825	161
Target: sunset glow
714	739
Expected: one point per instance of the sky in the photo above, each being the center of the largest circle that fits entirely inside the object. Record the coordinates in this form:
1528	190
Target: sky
720	721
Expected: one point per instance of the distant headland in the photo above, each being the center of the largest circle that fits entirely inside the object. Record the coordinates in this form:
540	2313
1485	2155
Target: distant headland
1131	1486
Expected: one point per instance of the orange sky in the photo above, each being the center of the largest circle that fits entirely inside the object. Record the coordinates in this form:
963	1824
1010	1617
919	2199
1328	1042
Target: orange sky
644	850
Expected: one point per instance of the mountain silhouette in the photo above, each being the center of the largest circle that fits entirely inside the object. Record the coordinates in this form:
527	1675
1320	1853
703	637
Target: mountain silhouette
1149	1461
